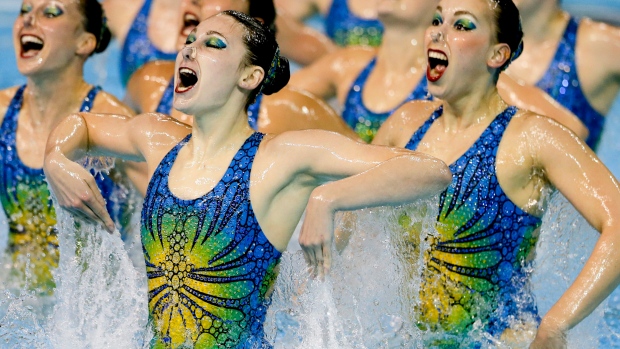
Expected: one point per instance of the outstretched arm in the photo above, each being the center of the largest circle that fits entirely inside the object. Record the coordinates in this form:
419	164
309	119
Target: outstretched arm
349	175
580	176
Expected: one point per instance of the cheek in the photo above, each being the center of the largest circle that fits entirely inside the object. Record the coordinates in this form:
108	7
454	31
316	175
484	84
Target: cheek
469	47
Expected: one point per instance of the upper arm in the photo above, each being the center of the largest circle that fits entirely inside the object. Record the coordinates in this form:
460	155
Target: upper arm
328	156
301	43
131	138
573	168
297	9
534	99
120	15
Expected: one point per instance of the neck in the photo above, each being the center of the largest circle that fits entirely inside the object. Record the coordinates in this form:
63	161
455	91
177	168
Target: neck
472	109
53	96
539	23
402	48
219	130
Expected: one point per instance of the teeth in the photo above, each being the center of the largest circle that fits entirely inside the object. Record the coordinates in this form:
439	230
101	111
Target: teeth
186	71
31	39
190	17
437	55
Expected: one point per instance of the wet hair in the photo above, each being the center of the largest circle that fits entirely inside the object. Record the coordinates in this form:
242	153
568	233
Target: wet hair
263	51
265	10
509	29
95	22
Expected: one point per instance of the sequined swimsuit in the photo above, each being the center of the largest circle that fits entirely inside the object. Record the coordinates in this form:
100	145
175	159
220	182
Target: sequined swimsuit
138	48
562	83
209	264
346	29
476	265
27	203
165	105
365	122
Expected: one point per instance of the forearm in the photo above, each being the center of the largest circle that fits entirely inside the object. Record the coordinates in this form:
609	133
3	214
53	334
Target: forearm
400	180
599	277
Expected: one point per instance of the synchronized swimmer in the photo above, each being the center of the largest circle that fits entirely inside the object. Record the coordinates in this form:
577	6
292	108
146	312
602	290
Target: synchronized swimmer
458	99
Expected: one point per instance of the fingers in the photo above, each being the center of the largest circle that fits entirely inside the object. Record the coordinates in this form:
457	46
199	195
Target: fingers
97	209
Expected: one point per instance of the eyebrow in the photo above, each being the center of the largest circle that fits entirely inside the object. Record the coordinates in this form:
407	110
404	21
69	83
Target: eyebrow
211	32
462	12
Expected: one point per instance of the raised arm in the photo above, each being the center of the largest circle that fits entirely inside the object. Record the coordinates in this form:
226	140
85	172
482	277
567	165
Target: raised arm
135	139
580	176
348	175
333	72
299	42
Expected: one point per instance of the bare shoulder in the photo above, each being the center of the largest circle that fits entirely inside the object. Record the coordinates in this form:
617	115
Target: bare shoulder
151	75
400	126
107	103
6	96
539	130
601	40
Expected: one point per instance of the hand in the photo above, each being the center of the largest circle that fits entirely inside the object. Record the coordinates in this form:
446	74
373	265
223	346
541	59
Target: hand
549	337
76	190
317	234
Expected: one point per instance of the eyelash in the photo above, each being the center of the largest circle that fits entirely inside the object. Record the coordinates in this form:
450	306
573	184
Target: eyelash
460	26
437	21
51	12
25	9
215	43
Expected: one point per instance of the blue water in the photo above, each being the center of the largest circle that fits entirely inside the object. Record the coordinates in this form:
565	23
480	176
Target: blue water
102	70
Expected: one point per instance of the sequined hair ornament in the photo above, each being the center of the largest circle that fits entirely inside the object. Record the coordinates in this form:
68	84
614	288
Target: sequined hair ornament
273	68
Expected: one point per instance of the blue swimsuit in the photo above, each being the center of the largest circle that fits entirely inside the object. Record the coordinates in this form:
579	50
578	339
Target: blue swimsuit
562	83
476	265
165	105
366	123
346	29
209	264
27	203
138	48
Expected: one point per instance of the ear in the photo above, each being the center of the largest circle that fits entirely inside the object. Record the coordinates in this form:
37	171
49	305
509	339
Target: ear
87	43
251	77
499	55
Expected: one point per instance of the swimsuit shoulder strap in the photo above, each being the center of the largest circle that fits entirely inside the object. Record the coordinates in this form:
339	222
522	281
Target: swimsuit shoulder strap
87	104
419	134
165	103
9	123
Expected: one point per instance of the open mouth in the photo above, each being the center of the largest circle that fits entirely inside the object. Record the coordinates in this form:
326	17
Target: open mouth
190	21
31	45
187	80
437	64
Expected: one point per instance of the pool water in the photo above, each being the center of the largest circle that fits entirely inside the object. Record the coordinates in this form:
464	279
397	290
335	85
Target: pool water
297	319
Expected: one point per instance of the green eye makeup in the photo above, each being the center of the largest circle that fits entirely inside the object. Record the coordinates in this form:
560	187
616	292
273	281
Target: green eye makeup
215	43
464	24
52	11
437	20
190	38
26	8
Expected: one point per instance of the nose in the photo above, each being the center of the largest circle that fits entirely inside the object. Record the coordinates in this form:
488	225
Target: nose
28	19
189	52
436	36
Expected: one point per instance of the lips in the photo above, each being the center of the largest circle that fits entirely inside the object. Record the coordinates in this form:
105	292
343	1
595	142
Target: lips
187	79
437	65
31	45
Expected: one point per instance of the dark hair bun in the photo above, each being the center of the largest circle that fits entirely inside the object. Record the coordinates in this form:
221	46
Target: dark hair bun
103	40
280	77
